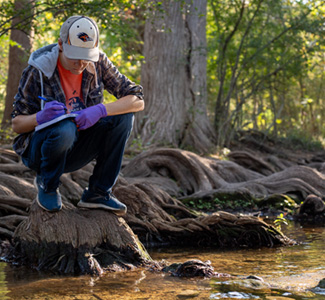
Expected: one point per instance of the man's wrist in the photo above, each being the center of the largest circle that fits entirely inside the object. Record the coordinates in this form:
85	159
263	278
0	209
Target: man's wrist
103	110
37	118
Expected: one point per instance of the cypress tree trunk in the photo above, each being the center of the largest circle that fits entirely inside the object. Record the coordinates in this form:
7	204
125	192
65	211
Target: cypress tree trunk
174	77
21	34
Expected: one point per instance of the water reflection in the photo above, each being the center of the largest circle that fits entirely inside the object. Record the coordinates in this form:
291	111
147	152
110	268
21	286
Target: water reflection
288	272
3	282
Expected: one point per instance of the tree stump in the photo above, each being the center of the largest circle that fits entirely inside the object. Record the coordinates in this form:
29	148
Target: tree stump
77	241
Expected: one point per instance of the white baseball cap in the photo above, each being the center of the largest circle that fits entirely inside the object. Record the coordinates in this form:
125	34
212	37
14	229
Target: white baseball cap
80	39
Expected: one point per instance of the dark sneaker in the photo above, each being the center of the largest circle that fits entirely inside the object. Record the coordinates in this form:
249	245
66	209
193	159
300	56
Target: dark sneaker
50	201
107	201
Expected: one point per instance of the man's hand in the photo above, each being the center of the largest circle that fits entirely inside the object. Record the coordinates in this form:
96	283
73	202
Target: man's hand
89	116
51	111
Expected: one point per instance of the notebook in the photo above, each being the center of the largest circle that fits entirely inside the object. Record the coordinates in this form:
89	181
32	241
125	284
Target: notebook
56	120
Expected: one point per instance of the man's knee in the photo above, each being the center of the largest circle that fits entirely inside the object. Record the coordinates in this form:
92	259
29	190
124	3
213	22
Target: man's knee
65	133
123	123
127	120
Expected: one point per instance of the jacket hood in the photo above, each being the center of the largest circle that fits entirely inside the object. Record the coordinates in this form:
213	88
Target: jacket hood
45	59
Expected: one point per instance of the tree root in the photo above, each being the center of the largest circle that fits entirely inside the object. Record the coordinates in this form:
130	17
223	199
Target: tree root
152	186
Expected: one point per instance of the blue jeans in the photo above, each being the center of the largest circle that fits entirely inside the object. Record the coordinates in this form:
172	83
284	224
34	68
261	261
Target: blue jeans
61	148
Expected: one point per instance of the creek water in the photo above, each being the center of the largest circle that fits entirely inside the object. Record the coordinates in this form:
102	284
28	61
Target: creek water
288	273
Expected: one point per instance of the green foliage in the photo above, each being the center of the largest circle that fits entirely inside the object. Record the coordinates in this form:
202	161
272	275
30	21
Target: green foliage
279	221
242	202
278	202
265	57
299	140
201	205
223	201
262	56
6	136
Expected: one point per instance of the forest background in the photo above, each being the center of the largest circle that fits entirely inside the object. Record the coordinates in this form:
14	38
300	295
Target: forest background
209	69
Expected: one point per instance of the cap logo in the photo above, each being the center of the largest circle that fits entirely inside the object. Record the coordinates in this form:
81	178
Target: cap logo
84	37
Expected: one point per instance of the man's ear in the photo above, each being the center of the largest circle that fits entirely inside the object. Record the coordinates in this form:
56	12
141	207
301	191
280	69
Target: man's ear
60	44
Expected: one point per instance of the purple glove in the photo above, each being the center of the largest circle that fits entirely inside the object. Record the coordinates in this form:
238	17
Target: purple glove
51	111
90	115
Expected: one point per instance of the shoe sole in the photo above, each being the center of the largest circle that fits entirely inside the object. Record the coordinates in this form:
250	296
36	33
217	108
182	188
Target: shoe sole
39	203
98	205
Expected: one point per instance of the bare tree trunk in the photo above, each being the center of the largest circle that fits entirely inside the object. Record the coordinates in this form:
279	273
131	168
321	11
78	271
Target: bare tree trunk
18	54
174	77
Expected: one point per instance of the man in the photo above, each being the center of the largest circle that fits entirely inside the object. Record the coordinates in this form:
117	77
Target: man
71	77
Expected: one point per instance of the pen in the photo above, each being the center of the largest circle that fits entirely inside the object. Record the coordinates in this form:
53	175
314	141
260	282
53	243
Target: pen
44	98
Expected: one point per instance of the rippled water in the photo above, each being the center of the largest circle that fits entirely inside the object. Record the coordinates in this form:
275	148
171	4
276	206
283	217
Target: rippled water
288	273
